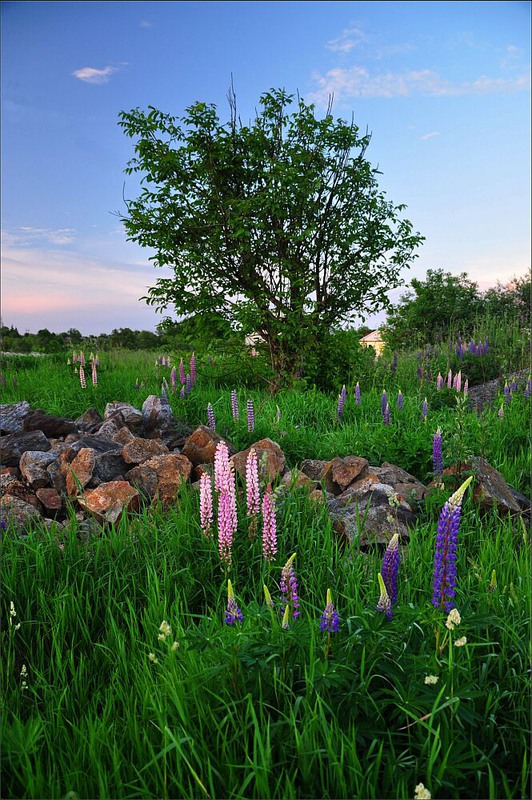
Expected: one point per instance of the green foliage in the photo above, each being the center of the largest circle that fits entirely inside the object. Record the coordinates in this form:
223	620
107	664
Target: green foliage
278	226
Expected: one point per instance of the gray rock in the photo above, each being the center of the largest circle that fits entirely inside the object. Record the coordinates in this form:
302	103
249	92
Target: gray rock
14	445
12	416
157	413
33	466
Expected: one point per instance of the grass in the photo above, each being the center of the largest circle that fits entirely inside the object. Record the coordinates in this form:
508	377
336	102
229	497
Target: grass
104	707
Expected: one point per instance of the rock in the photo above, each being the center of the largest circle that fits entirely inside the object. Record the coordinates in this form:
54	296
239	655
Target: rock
131	416
138	450
270	457
33	466
12	416
109	429
51	500
80	471
171	470
89	421
490	489
157	413
375	526
124	436
297	478
52	427
144	479
340	472
14	444
17	513
201	445
313	468
109	500
108	466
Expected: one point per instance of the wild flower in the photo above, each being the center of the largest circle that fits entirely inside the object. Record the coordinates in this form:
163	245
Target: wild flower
278	414
384	401
390	567
424	410
232	613
507	393
288	585
174	647
386	415
500	412
193	369
513	386
94	374
461	642
211	422
420	793
431	680
269	531
153	658
384	604
450	379
466	387
82	378
252	484
453	619
458	381
437	458
357	394
165	631
268	597
164	389
493	581
188	384
341	402
24	675
206	512
226	527
330	621
182	393
182	378
439	382
400	400
528	387
12	615
173	379
444	578
250	414
234	405
81	359
221	466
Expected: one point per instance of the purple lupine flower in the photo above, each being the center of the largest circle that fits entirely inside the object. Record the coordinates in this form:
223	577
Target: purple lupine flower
485	346
330	621
269	531
250	413
234	405
94	374
390	567
450	379
472	347
507	393
182	393
211	422
159	361
437	458
357	394
164	389
400	400
444	579
459	350
288	585
424	410
188	384
193	369
173	379
386	415
341	401
439	382
252	484
206	513
3	525
82	379
513	386
528	387
233	613
384	400
182	378
384	604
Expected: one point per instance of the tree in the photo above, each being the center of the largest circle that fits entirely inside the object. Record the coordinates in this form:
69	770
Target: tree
278	226
438	303
511	301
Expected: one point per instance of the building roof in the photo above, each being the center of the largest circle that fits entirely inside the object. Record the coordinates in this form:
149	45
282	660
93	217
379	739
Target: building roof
374	336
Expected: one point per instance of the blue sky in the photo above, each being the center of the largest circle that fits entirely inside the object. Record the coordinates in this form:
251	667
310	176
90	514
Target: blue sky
444	87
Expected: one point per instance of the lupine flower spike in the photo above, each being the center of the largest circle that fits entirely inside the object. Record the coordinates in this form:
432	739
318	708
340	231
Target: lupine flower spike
450	379
94	374
173	379
234	405
501	412
437	460
384	401
390	567
210	417
466	387
82	378
330	621
384	604
206	514
193	369
250	413
357	394
288	586
269	533
252	484
439	382
386	415
507	393
400	400
444	579
341	401
233	613
424	410
528	387
182	372
188	384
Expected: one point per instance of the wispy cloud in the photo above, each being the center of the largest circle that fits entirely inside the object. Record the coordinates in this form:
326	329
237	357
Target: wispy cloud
94	75
357	81
29	234
349	39
144	23
429	135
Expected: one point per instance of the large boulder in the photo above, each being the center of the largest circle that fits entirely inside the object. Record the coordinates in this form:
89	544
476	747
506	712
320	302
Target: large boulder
201	445
33	467
12	416
109	501
270	457
13	445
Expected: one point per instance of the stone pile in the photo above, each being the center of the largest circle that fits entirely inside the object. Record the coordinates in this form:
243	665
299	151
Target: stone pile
51	467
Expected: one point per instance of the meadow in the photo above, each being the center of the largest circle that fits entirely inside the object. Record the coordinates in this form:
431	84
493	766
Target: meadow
123	679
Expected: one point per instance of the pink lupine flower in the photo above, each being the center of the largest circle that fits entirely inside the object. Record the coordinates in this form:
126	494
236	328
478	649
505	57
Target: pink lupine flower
206	514
466	387
82	359
252	484
450	379
181	372
173	379
269	534
439	382
226	527
94	374
82	379
224	480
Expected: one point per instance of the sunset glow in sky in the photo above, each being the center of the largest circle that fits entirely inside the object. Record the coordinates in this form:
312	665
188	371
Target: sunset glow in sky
444	87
